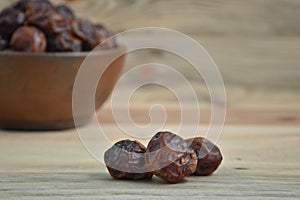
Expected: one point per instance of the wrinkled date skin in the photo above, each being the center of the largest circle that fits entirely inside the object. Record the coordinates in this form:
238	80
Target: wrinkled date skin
170	158
32	6
64	42
29	39
64	32
91	34
65	11
44	15
51	22
208	154
126	160
10	20
85	30
103	34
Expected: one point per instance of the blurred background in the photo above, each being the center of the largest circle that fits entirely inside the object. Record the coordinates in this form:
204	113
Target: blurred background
255	44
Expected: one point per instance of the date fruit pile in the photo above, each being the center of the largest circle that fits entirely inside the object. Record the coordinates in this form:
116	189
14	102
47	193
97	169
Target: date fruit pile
167	156
40	26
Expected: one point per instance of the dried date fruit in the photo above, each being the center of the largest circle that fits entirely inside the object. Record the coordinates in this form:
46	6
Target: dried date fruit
102	34
126	160
65	11
170	158
92	35
63	31
33	6
10	20
208	154
51	22
64	42
21	5
85	30
28	39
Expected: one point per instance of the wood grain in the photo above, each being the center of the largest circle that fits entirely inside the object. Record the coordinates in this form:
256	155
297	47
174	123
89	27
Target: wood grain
263	116
259	163
256	71
214	17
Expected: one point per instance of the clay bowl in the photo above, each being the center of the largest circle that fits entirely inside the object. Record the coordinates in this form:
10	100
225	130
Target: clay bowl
36	88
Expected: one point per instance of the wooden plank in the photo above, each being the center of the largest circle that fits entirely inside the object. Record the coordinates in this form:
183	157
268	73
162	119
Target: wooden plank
233	184
256	71
263	116
214	17
259	163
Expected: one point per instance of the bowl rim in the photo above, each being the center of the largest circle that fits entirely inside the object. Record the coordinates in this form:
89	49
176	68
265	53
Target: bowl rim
65	54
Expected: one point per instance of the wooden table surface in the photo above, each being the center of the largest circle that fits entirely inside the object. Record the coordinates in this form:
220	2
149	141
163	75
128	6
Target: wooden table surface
256	47
261	161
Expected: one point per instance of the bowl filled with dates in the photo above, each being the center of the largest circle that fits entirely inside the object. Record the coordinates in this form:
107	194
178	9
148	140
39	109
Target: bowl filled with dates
42	47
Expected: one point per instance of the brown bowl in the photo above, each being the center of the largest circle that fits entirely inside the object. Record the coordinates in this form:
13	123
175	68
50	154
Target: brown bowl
36	89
